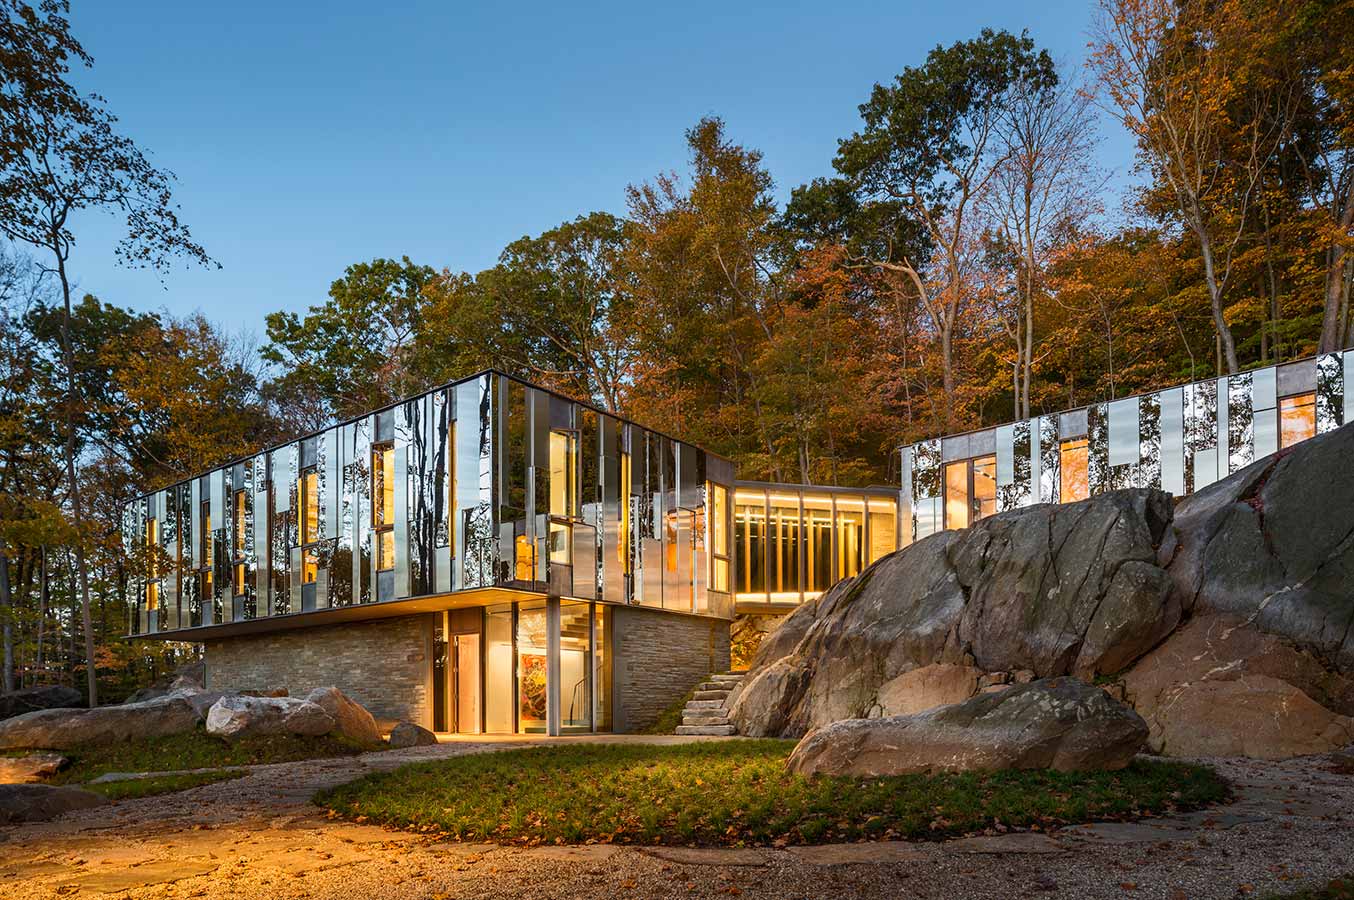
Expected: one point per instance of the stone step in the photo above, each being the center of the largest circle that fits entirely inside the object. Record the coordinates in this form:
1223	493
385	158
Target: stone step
705	704
710	695
716	686
727	679
705	720
706	729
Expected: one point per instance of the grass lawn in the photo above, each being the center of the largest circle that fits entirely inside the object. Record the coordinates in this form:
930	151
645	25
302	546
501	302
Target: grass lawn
159	784
195	750
738	793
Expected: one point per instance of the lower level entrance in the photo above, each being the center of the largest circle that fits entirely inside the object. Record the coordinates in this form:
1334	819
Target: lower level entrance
500	669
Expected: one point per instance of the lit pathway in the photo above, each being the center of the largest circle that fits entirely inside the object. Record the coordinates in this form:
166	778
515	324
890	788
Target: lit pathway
259	837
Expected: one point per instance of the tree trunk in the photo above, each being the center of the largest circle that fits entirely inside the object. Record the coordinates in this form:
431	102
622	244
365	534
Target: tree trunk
947	372
1337	300
1224	332
77	506
7	610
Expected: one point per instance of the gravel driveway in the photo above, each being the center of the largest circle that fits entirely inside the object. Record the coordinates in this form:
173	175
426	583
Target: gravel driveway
259	837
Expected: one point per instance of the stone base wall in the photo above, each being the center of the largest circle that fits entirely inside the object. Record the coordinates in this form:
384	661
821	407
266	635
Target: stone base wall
658	657
382	664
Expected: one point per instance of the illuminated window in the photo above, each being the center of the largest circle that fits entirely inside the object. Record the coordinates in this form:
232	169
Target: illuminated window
205	544
719	537
883	528
153	564
525	558
239	579
850	535
984	486
563	473
1072	459
956	495
1297	419
240	522
308	489
383	505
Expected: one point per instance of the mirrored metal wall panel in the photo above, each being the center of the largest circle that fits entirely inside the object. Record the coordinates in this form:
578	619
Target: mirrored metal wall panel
1098	475
1240	421
1224	450
1296	377
474	542
1005	452
262	516
926	469
404	429
905	506
613	545
1149	442
1049	460
1330	393
1347	360
1264	415
1123	432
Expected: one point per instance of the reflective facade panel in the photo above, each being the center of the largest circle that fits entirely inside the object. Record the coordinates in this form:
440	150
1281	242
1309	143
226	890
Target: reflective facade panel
1180	440
485	483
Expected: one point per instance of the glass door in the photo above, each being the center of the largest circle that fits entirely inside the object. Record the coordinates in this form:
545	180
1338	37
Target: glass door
466	680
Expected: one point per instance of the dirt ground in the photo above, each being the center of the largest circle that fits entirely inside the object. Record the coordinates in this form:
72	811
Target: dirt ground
260	837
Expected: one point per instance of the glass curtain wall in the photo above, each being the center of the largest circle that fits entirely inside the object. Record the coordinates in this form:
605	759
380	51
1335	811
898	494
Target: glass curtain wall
488	482
791	544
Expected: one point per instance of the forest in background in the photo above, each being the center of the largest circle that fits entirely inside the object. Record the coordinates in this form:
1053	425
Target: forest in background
958	264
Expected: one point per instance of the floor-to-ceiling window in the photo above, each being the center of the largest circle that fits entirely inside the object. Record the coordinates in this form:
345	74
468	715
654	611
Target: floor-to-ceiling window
1072	462
957	507
532	664
785	535
498	669
818	574
850	535
984	487
883	528
601	667
575	671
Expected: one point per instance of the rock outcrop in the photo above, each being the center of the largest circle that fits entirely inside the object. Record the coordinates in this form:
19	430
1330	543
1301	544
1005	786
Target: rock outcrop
47	696
407	734
235	716
1242	590
1055	723
61	729
40	802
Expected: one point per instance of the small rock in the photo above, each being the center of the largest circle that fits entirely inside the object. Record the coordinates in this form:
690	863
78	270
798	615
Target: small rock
407	734
59	729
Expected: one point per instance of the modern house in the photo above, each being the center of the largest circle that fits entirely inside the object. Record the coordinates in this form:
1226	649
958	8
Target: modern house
491	557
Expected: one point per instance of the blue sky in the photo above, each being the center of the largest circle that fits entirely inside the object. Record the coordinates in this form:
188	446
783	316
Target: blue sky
307	136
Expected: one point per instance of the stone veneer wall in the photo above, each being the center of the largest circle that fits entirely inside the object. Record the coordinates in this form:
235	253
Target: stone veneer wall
382	664
658	657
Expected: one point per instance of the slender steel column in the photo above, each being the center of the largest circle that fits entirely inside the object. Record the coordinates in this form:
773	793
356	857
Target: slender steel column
552	673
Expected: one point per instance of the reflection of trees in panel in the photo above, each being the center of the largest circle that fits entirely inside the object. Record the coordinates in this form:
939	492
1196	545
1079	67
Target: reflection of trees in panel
926	469
1018	492
1149	442
361	508
247	542
131	592
1049	460
477	520
1099	478
425	437
1201	416
1330	392
1240	422
441	465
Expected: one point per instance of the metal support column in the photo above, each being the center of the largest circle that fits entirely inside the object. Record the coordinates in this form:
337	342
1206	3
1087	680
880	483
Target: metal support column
552	673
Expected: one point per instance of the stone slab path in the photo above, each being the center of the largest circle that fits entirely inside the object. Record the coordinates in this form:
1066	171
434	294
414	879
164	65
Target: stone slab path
259	837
